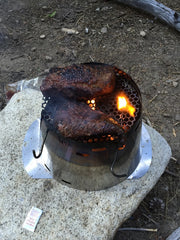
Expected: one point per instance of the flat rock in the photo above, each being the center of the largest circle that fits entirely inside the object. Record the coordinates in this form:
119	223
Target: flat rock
175	235
67	213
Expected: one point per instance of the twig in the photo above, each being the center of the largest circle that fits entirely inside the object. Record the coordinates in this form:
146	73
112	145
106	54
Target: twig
92	59
15	57
174	132
81	17
175	195
148	121
174	159
138	229
153	98
150	219
171	173
166	204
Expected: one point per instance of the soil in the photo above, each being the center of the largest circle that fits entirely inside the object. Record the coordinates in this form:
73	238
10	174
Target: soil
107	32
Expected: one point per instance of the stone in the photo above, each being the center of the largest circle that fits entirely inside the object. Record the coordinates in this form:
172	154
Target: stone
175	235
48	58
46	70
104	30
33	49
177	116
142	33
121	25
67	213
42	36
45	7
129	29
106	8
175	84
167	115
69	31
74	52
167	60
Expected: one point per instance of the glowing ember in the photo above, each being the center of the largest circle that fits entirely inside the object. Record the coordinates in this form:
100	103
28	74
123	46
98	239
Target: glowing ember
92	103
123	104
121	148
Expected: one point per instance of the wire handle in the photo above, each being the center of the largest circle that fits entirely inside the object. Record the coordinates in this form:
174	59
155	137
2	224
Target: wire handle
34	152
112	167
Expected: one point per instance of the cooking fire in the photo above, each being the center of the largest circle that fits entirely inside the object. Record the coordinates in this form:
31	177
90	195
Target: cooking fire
89	100
90	125
123	104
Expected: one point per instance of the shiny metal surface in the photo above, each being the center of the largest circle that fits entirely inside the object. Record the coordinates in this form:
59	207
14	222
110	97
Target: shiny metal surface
42	167
145	155
36	168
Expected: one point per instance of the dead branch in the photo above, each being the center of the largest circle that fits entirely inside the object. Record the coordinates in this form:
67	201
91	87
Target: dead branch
150	219
156	9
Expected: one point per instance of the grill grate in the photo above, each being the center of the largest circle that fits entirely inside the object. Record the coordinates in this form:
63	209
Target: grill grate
107	104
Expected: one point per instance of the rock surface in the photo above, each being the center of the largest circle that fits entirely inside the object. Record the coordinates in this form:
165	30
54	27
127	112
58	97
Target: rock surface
67	213
175	235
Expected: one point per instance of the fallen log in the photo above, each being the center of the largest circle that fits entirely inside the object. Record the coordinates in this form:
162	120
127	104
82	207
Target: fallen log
158	10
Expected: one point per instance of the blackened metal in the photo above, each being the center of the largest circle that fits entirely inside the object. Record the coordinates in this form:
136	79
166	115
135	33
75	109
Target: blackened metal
44	140
113	165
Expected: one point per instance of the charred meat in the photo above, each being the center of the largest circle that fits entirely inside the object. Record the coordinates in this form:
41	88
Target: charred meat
81	81
68	89
76	119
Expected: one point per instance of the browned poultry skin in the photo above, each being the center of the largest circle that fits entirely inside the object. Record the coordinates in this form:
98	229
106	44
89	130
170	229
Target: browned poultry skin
81	81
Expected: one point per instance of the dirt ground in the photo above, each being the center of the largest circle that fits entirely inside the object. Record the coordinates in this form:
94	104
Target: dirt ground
32	41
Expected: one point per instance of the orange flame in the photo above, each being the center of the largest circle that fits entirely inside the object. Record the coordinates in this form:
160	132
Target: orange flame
123	104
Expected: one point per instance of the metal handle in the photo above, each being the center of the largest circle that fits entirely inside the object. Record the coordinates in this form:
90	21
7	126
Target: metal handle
112	167
34	152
